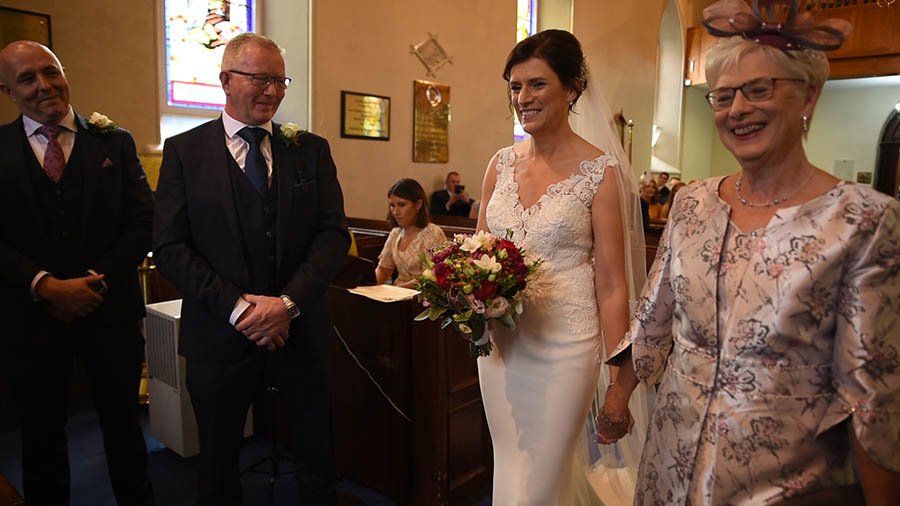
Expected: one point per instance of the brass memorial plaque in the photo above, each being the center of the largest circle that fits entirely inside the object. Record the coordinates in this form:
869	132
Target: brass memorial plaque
431	122
365	116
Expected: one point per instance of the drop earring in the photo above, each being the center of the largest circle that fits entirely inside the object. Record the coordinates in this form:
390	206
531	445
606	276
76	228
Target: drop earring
805	123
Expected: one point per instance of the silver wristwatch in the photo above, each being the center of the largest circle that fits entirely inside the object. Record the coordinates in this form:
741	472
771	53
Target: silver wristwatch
292	309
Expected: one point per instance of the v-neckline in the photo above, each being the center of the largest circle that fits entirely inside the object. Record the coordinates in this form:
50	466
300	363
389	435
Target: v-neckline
530	208
411	241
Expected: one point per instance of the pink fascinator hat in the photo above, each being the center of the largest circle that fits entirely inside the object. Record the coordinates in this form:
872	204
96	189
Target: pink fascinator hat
775	23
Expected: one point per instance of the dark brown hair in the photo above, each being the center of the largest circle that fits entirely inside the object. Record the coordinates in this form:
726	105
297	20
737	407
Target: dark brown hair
562	52
411	190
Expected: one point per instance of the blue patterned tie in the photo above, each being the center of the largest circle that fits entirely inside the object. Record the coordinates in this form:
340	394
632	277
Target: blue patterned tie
255	163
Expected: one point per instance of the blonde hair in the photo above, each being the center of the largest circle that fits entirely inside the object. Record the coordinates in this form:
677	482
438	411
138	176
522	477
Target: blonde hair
236	46
807	64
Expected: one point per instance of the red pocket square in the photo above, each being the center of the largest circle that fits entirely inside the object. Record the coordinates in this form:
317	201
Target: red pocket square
107	163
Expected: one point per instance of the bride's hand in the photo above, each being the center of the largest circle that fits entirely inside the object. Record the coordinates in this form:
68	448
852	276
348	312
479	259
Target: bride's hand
614	419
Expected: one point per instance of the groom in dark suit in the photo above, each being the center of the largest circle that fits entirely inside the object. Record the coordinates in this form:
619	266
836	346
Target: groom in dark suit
250	227
77	214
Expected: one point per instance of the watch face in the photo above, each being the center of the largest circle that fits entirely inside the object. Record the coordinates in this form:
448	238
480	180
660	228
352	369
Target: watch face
292	309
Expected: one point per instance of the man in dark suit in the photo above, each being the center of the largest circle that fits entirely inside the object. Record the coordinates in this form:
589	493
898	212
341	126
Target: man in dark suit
77	214
452	201
250	227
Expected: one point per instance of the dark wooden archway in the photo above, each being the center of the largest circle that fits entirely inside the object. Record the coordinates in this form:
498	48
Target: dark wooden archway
887	166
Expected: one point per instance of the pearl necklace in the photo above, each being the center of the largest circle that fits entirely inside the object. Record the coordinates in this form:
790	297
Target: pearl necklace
740	183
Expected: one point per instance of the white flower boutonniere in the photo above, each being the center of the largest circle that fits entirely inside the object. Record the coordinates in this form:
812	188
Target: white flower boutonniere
101	124
290	133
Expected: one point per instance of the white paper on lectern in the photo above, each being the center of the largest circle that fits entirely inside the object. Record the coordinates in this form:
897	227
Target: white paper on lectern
385	293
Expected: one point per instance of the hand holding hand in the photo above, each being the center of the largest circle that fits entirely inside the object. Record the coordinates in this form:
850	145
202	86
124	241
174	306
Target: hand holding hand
69	299
265	322
614	419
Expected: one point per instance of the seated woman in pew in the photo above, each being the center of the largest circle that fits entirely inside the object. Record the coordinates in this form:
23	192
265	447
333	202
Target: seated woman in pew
411	236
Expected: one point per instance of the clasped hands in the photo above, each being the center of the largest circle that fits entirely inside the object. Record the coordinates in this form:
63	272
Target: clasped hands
69	299
266	322
614	419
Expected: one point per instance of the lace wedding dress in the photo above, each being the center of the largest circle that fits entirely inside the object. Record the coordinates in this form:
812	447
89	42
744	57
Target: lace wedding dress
540	379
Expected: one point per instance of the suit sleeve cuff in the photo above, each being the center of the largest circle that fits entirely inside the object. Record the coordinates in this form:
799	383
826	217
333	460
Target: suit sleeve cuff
239	307
34	282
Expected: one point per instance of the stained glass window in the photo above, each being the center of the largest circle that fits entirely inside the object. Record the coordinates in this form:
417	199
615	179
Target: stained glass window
526	26
196	32
526	19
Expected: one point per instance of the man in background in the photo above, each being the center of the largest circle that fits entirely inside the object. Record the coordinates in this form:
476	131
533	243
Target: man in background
77	214
662	191
453	200
250	227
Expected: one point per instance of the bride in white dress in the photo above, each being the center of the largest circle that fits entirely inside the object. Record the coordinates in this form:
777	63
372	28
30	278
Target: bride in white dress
571	204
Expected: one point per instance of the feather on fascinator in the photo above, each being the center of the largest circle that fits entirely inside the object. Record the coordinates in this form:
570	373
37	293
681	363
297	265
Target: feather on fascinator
795	30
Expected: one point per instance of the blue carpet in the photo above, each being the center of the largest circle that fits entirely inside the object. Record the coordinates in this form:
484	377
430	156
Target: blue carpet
173	477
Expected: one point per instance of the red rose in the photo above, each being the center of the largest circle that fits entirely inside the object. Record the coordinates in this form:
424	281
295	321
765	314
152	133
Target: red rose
486	291
441	273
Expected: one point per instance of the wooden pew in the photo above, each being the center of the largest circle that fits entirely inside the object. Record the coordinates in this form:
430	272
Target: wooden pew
443	455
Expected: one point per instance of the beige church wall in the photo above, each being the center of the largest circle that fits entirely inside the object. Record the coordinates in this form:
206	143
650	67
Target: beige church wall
108	50
364	46
620	43
698	135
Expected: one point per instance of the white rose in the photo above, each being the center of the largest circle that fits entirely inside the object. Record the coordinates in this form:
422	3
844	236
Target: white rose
290	130
99	120
429	275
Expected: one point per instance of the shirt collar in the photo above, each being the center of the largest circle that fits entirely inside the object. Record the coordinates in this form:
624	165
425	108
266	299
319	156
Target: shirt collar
68	122
232	126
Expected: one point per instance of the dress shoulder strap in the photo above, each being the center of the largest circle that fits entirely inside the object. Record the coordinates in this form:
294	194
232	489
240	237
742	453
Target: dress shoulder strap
593	172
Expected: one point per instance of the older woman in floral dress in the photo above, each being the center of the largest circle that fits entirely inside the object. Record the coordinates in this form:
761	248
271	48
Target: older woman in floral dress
763	397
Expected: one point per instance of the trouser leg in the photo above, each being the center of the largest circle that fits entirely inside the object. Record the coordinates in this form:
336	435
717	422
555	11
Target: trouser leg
112	358
221	395
303	381
40	383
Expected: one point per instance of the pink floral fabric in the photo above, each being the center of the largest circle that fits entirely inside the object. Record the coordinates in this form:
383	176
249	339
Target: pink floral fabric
766	341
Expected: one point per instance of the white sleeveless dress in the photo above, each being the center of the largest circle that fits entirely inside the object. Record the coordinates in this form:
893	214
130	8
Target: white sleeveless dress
540	379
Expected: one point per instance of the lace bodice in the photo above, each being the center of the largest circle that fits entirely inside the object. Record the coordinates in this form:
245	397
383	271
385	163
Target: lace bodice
557	228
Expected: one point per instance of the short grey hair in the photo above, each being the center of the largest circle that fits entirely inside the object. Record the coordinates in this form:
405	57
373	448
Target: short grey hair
807	64
236	46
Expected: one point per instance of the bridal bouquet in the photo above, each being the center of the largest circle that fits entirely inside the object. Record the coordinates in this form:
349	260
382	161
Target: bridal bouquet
471	279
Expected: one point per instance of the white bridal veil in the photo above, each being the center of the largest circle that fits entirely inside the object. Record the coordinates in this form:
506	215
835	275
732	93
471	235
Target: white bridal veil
613	468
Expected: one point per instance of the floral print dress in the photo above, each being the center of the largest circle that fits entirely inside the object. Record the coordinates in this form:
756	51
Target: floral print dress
766	341
408	262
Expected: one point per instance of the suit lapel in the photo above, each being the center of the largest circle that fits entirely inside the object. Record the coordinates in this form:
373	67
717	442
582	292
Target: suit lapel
94	155
285	163
215	160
